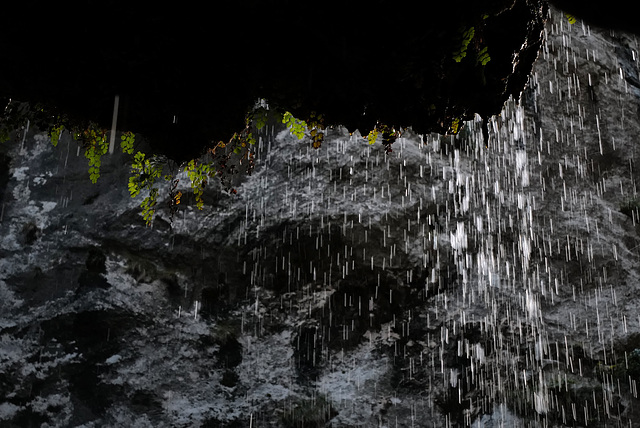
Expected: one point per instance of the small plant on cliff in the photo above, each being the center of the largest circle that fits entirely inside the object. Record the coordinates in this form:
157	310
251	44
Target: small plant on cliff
296	126
126	142
55	133
467	35
199	173
465	38
145	172
314	127
94	140
221	161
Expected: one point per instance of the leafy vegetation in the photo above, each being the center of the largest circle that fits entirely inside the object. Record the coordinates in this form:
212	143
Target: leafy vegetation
221	161
315	125
389	136
455	126
372	136
96	145
199	174
296	126
55	133
126	142
483	57
148	206
259	117
466	36
175	196
456	50
144	173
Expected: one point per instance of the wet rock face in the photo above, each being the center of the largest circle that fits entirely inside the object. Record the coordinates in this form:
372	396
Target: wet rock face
452	282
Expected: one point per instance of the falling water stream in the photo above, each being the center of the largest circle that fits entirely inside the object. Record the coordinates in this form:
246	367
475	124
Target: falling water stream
487	279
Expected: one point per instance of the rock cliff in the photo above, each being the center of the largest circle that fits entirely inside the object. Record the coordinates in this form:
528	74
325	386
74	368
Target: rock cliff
451	282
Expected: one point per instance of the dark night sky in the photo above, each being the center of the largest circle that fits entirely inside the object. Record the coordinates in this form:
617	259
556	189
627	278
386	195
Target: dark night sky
198	62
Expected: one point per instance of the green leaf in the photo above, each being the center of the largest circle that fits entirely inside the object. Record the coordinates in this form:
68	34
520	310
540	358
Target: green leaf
296	126
483	56
126	142
55	133
96	145
198	174
467	36
148	206
372	136
144	173
260	117
134	187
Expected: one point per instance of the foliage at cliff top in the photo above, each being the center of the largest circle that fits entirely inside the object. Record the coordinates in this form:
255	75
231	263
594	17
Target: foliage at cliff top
405	75
149	171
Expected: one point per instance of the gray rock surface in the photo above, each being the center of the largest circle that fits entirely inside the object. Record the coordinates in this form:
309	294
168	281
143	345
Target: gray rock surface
448	283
